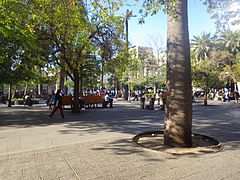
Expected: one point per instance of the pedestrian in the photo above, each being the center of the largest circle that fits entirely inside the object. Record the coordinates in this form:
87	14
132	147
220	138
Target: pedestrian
27	100
135	96
58	103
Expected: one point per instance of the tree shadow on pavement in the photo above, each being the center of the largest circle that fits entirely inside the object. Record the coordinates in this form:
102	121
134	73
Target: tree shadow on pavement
117	120
220	121
27	116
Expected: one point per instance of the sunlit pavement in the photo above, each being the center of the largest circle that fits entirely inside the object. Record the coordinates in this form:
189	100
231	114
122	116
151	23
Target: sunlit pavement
97	144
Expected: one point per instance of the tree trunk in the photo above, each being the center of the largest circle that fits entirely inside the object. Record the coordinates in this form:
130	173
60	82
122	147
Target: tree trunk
81	84
39	89
10	96
102	74
205	95
117	87
154	89
25	90
235	93
76	108
178	119
125	92
60	80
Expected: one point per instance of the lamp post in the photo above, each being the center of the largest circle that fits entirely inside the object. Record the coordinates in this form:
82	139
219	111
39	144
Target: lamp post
127	16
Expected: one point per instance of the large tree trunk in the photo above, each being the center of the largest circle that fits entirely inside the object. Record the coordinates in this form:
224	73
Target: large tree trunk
178	119
76	76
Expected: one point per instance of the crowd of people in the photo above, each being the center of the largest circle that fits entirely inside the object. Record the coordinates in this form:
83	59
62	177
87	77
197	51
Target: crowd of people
224	95
3	99
55	100
26	98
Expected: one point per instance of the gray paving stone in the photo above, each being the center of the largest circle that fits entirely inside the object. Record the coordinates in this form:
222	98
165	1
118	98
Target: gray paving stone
97	144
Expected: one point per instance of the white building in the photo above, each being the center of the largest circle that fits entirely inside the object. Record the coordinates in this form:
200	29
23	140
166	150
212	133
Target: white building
151	62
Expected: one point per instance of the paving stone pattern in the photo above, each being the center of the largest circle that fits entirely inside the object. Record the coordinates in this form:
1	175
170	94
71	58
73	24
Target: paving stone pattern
97	144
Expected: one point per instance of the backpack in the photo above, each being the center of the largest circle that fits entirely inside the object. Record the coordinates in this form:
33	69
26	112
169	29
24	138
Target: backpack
53	100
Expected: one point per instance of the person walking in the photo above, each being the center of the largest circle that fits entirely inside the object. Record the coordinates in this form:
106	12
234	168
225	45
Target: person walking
58	103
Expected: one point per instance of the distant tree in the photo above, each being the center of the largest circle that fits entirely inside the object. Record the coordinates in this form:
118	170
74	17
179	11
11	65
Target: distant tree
230	41
221	59
18	59
72	27
201	46
225	12
205	75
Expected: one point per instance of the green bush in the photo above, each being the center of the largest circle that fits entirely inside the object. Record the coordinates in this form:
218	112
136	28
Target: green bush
17	99
150	95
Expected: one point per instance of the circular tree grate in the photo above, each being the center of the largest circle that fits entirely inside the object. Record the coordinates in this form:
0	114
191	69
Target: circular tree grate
201	144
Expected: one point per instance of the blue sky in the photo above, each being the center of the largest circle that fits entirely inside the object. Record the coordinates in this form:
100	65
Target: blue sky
155	27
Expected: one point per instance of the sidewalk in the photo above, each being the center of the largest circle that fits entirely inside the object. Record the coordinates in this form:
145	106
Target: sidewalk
97	144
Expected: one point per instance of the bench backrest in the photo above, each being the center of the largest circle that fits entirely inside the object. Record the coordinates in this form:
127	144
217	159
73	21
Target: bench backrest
67	100
163	96
93	99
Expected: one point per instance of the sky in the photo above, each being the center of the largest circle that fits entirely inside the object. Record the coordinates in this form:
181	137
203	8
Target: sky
155	27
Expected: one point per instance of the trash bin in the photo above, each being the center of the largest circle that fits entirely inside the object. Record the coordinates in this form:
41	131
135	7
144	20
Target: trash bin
142	103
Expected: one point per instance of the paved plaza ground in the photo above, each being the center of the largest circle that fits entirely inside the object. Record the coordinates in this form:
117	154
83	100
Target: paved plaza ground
97	144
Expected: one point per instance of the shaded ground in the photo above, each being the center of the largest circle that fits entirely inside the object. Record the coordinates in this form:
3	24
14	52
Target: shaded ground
214	120
97	144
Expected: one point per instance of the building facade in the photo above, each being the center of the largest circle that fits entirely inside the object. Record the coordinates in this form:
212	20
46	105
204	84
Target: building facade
151	62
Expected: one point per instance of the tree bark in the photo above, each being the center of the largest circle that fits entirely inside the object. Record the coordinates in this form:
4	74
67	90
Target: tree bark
178	119
76	108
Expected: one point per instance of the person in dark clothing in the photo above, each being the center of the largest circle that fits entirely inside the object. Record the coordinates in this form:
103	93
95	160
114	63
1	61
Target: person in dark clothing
108	99
2	99
58	103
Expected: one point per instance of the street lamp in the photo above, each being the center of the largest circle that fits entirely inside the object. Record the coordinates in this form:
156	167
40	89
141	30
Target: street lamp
127	16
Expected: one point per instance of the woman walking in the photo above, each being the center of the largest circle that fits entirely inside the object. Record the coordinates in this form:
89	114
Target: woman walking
58	103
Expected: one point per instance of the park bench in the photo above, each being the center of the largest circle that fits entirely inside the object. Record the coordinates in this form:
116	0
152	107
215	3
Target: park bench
119	94
89	101
92	100
67	101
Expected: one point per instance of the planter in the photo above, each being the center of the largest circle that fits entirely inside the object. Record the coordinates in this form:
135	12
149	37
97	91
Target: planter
18	102
35	102
142	103
154	141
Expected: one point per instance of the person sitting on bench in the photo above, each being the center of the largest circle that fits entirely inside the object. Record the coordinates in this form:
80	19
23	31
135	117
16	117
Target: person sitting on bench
108	99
